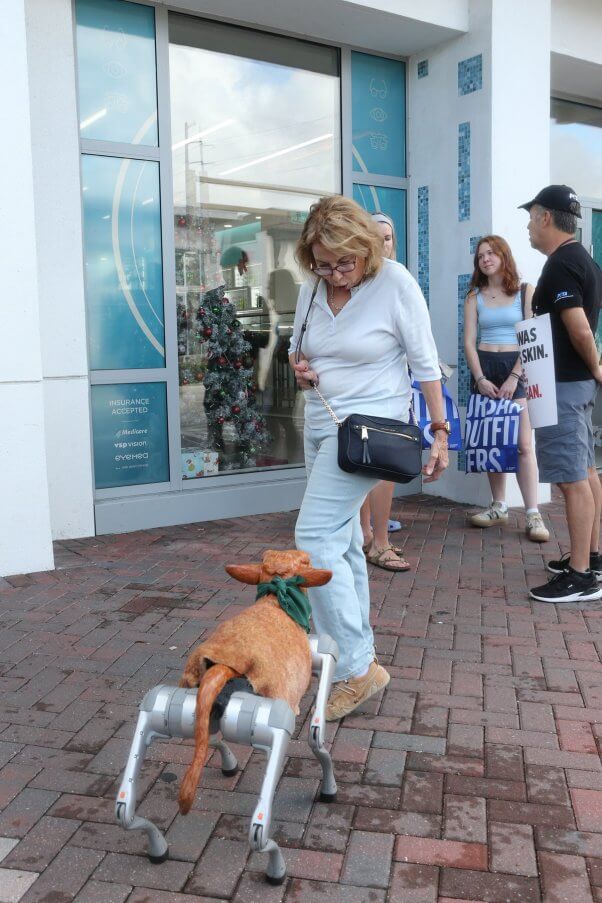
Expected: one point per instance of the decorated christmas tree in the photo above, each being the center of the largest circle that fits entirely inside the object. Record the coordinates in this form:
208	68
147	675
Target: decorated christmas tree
230	390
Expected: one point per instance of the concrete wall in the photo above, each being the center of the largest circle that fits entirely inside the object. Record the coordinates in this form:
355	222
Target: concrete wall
57	197
388	26
45	452
505	168
25	543
576	29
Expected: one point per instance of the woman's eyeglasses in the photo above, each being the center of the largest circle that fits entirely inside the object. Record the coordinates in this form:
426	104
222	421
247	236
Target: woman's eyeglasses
340	268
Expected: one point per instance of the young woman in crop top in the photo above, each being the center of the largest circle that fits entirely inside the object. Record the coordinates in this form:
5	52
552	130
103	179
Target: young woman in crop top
493	306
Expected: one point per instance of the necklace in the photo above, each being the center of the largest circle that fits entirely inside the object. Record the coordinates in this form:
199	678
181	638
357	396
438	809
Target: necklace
491	295
330	300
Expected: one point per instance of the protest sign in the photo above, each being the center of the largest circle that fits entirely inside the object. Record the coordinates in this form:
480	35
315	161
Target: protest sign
537	358
424	418
491	435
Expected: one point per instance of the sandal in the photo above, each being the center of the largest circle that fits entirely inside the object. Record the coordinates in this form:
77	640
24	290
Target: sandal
397	564
397	549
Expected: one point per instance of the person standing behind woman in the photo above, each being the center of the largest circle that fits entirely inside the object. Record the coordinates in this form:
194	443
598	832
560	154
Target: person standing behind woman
493	306
376	510
368	321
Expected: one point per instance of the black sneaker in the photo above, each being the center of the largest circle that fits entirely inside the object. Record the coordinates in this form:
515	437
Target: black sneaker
568	586
559	565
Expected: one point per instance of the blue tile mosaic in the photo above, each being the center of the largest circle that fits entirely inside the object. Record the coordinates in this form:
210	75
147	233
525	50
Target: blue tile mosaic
470	75
464	171
474	241
423	68
463	371
423	242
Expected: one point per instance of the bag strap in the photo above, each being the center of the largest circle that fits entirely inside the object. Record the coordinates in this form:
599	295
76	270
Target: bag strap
298	355
304	326
338	422
523	297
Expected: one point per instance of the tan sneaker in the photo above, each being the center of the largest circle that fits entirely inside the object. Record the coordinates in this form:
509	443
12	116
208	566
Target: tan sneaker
491	517
536	530
346	695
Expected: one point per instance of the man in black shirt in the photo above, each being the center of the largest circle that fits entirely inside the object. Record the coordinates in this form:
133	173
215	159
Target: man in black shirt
570	290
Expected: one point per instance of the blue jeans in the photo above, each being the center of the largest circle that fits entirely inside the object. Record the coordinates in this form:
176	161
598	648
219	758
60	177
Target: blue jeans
328	528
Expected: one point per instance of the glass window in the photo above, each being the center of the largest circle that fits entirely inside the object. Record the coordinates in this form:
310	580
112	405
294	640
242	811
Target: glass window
391	201
241	113
255	140
130	434
116	71
123	266
378	115
576	147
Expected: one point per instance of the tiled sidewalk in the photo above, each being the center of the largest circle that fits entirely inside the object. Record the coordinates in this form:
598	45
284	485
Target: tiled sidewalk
476	777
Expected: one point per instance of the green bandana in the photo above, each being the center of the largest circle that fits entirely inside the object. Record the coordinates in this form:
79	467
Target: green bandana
290	598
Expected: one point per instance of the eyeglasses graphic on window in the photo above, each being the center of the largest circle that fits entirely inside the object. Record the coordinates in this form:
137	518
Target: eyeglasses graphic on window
344	267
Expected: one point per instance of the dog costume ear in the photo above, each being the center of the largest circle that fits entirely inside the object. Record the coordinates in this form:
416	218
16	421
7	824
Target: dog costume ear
246	573
315	576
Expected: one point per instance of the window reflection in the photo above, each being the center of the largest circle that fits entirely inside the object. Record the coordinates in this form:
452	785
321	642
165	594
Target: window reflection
255	143
576	147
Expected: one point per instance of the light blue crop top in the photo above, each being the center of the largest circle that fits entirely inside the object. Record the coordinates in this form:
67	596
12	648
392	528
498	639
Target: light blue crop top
496	324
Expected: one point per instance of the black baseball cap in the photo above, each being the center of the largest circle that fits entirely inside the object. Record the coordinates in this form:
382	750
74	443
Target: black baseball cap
556	197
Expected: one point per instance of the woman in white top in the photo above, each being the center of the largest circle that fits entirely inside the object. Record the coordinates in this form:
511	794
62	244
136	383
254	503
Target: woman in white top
367	322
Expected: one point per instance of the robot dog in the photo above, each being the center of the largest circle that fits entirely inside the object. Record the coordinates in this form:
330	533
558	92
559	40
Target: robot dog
245	682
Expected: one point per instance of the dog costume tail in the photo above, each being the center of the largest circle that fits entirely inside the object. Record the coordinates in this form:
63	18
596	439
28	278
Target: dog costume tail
211	685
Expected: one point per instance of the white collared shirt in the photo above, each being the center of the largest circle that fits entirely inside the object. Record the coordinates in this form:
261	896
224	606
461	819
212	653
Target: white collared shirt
362	355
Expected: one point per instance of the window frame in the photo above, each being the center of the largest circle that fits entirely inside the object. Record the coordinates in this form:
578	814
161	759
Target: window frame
163	156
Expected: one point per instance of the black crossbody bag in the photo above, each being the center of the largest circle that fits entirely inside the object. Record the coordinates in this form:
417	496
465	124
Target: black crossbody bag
375	446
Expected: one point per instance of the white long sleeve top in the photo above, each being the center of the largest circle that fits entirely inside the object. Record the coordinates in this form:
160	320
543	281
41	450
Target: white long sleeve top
362	355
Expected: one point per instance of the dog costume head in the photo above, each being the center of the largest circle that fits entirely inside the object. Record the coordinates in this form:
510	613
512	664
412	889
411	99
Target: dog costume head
289	563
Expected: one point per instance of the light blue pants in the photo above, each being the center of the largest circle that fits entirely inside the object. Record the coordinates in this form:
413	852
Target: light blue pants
328	528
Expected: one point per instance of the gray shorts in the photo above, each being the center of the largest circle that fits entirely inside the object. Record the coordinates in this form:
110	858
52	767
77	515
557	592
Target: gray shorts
566	450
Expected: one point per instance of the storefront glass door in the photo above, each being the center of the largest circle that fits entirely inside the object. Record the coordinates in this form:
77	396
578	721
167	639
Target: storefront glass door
255	141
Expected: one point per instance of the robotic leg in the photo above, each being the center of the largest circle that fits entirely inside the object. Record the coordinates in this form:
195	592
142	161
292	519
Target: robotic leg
324	654
265	724
165	712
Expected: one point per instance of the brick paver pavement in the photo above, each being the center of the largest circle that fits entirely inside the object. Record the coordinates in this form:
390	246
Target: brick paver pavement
476	777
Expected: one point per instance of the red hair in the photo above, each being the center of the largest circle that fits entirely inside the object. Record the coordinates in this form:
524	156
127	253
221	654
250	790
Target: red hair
510	277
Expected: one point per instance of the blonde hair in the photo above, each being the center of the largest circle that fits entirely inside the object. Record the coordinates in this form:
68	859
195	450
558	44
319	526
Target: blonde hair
342	227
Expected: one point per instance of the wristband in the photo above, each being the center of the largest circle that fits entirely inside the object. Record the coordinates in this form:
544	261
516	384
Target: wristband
515	375
480	379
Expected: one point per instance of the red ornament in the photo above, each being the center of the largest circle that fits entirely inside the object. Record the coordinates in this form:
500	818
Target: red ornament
221	420
207	331
199	377
237	364
181	221
202	311
185	381
222	361
228	332
235	409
